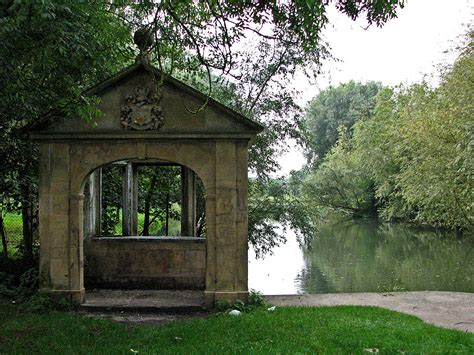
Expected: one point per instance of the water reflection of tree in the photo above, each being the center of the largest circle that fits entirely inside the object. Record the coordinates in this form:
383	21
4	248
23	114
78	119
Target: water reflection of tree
366	256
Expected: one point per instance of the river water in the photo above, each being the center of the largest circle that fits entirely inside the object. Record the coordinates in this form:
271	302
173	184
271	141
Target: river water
367	256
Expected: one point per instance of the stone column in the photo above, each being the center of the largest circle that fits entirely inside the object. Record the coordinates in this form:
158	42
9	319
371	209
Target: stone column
188	202
230	244
134	200
242	216
60	236
76	252
130	199
97	201
93	204
211	251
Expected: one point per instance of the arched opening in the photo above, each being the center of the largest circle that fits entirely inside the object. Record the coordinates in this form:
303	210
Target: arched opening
144	198
144	226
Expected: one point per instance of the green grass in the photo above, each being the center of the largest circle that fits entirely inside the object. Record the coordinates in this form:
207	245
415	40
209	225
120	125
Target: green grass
14	230
286	330
155	228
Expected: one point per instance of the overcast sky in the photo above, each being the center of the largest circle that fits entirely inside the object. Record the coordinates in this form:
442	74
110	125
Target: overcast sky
404	50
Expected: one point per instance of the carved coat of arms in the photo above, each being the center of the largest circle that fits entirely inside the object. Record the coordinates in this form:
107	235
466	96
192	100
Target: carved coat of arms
142	110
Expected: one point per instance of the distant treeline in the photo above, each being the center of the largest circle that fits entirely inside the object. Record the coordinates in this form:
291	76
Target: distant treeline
403	153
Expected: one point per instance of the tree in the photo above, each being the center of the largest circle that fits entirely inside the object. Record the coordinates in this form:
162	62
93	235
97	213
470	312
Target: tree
111	204
336	107
251	48
51	51
418	147
57	48
159	189
341	182
272	209
412	158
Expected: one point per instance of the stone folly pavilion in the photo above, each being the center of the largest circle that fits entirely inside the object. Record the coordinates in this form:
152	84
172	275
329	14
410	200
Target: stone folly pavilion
146	122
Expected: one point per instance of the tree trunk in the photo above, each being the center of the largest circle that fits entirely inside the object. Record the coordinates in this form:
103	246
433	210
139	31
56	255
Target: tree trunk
4	237
146	219
200	226
118	218
167	213
27	232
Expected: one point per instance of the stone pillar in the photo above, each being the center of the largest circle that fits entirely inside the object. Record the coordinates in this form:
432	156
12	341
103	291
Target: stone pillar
134	200
97	201
211	260
76	252
231	235
242	186
93	204
188	202
60	226
88	208
130	199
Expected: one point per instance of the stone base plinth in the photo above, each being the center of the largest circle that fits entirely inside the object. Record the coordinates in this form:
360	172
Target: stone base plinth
74	296
211	297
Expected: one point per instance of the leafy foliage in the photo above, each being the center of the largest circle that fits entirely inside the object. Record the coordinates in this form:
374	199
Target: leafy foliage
56	49
255	300
341	181
333	108
159	191
274	207
424	138
415	153
111	198
211	33
159	188
53	50
244	53
20	286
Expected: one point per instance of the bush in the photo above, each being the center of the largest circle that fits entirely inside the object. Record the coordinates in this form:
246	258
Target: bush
255	300
20	287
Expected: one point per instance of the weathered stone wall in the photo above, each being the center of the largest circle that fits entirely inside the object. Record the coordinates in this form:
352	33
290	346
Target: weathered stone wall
145	262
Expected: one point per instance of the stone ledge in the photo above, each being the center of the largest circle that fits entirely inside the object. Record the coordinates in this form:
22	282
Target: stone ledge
151	239
144	301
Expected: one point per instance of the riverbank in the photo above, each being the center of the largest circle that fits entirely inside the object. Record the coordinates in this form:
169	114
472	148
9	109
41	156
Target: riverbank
454	310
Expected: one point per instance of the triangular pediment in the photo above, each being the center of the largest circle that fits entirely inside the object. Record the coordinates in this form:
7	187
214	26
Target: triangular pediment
133	103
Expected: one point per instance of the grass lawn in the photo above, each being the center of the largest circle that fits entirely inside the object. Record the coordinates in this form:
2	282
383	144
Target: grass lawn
286	330
14	230
174	227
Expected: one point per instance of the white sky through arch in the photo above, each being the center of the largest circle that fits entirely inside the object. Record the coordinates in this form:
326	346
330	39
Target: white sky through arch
405	50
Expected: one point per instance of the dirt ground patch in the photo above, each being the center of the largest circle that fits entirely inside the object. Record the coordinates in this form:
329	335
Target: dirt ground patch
137	318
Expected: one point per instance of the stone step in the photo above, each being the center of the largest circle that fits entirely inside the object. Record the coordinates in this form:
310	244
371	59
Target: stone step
142	309
150	301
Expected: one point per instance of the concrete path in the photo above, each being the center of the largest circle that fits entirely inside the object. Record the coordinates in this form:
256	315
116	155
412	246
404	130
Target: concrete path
453	310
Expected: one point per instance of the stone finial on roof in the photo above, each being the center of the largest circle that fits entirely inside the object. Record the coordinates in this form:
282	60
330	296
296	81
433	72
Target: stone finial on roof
144	39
